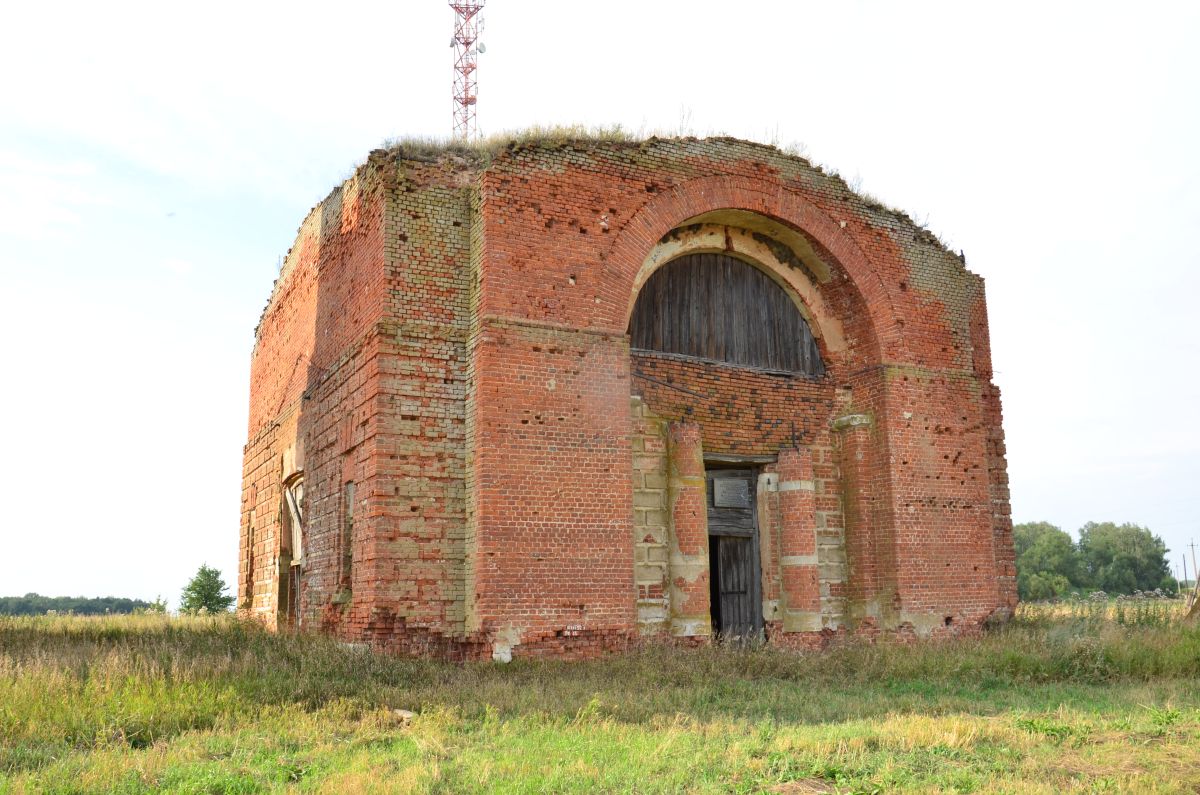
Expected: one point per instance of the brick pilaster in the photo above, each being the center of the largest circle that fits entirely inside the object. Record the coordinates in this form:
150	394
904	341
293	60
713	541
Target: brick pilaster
688	555
798	542
873	589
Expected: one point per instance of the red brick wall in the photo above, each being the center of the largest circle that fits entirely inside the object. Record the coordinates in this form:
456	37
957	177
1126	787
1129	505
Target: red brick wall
566	231
452	337
416	526
743	411
553	528
314	377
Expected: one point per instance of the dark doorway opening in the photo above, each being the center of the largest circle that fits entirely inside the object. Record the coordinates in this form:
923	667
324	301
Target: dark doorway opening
291	552
735	572
290	598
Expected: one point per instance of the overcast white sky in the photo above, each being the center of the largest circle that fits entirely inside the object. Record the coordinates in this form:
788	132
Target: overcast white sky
156	160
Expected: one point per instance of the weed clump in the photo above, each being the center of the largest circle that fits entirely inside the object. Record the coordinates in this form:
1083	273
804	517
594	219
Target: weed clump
429	149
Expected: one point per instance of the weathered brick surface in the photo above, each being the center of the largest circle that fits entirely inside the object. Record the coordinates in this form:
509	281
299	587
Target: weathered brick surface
651	520
687	566
449	336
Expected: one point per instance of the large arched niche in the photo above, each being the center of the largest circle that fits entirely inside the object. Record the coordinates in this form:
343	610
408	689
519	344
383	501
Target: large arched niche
760	214
716	307
743	407
798	278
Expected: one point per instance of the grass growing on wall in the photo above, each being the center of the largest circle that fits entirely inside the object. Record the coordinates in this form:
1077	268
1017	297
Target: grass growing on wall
1065	698
430	149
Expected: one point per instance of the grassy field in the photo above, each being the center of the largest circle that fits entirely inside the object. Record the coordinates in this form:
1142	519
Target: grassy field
1086	698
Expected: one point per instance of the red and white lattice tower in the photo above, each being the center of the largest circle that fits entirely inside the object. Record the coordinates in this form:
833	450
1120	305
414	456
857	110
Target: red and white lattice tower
467	27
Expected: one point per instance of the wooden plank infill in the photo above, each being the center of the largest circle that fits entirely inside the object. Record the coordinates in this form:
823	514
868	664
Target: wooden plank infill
716	307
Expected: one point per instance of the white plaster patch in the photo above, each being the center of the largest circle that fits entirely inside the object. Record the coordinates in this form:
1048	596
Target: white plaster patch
801	621
850	421
689	628
504	643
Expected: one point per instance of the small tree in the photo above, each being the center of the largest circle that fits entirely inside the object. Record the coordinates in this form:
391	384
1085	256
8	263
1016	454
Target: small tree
205	593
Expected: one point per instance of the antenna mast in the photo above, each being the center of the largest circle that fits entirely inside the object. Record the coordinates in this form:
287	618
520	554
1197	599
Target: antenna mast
467	27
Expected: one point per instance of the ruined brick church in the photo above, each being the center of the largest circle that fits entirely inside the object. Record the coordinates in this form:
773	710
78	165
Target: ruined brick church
566	396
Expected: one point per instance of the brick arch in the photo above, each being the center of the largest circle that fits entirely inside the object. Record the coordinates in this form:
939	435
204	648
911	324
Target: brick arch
738	243
627	254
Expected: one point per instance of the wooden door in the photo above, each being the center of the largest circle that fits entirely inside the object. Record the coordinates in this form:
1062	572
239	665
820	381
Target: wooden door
734	568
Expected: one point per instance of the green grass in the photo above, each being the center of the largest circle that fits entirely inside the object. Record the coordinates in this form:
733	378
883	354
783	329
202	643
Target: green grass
1063	699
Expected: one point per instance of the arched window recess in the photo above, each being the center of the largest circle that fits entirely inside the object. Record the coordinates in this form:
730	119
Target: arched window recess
718	308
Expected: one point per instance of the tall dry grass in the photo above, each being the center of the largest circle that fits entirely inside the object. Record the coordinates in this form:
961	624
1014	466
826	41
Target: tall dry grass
68	684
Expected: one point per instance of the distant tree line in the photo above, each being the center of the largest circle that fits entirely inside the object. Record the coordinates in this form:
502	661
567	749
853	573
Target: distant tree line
32	604
1116	559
